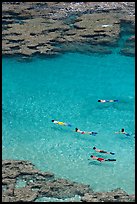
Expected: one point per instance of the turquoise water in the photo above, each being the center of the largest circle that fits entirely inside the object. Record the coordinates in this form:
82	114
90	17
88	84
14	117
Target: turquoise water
66	88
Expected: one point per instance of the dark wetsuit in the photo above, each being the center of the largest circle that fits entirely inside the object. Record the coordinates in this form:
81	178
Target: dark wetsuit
102	151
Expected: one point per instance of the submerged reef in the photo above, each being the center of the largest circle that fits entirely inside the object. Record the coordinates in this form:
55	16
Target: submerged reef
22	182
52	28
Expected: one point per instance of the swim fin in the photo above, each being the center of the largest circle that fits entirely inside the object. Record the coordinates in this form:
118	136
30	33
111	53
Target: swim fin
110	159
112	153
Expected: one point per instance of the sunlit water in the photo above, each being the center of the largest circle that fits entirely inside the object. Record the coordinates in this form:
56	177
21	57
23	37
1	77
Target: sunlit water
66	88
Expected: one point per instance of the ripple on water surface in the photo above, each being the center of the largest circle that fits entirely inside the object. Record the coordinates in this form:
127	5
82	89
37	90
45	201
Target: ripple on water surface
67	88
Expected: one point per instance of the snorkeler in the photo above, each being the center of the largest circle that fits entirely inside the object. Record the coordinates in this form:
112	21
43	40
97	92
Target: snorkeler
84	132
122	131
101	159
61	123
102	151
104	101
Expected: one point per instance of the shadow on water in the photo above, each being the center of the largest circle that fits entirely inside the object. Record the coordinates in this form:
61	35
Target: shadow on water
61	129
105	156
97	163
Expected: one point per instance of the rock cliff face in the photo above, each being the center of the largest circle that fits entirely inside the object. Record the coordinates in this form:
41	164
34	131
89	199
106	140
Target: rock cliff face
22	182
47	28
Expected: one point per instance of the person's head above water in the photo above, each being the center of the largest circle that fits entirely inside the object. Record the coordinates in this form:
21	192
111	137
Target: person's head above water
99	100
94	147
91	156
52	121
122	130
76	129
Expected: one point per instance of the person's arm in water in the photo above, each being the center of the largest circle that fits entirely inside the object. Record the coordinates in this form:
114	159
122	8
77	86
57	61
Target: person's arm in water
123	131
120	131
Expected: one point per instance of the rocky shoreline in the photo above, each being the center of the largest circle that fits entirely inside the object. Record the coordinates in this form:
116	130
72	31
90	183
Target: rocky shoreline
52	28
22	182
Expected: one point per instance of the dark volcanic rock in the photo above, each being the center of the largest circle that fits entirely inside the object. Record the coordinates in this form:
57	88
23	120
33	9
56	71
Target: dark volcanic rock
35	183
61	188
118	195
21	182
30	28
128	48
128	52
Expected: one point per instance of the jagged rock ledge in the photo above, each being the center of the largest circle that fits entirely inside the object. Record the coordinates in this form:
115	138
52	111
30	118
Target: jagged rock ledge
22	182
49	29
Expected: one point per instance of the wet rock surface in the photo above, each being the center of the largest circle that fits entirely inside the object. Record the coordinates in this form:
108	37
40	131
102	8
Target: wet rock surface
117	195
52	28
22	182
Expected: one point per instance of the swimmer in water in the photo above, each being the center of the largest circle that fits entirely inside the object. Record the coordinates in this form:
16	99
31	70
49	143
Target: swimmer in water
84	132
122	131
102	151
101	159
104	101
61	123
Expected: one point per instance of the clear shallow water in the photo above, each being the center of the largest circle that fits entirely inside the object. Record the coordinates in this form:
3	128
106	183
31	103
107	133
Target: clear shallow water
67	88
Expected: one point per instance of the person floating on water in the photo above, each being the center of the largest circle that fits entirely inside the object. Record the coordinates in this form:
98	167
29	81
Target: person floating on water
104	101
84	132
61	123
122	131
102	151
101	159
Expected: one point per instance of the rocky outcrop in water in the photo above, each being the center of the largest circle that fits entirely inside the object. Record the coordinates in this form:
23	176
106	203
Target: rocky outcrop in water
47	28
117	195
128	47
22	182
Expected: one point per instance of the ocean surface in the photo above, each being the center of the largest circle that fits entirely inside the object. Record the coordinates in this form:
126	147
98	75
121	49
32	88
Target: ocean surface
66	88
